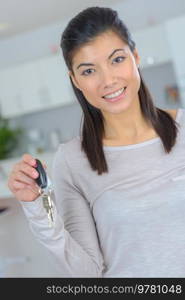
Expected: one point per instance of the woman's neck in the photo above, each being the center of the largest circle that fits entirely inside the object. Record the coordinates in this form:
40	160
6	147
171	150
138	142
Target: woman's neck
139	132
129	124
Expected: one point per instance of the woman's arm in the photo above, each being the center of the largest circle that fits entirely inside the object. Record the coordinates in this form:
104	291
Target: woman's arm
73	239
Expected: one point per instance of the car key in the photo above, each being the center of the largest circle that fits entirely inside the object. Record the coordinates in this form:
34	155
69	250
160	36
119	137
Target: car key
45	185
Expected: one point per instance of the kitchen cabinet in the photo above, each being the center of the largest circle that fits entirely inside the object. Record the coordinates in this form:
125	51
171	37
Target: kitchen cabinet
21	255
152	45
174	29
34	86
54	84
18	90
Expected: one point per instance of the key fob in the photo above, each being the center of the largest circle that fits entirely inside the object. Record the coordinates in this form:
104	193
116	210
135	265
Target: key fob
41	180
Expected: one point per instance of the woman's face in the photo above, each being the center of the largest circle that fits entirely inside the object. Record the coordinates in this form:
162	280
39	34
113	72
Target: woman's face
106	66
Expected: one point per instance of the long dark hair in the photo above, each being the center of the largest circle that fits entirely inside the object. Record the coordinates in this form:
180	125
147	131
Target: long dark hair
86	26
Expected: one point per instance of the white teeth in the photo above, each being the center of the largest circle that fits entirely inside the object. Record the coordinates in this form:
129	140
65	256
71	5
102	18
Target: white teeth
116	94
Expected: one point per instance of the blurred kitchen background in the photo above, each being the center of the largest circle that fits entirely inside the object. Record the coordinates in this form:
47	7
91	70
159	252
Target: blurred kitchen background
38	109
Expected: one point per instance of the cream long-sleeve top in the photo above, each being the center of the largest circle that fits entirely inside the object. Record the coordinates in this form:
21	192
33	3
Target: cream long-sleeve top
129	222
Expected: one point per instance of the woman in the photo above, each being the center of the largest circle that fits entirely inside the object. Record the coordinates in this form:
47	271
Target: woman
120	205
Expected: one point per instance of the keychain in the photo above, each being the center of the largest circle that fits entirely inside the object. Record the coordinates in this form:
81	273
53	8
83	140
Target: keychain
45	185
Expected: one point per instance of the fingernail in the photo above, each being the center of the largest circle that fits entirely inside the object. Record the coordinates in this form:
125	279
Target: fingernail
34	163
35	174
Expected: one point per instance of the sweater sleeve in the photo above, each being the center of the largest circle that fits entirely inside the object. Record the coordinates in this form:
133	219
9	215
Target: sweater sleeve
73	239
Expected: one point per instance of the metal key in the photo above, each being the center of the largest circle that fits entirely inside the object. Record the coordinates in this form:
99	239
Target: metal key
45	185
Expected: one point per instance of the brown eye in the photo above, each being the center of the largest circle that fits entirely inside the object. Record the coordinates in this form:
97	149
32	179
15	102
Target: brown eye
87	72
118	59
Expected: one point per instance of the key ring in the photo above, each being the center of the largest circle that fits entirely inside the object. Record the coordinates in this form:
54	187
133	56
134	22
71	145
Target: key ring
45	189
40	191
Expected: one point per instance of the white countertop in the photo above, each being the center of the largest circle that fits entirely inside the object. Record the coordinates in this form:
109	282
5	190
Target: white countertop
7	165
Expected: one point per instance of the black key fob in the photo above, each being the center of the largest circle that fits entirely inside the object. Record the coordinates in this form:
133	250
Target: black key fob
42	179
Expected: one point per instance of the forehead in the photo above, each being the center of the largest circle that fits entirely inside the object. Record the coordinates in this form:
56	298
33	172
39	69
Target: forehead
99	47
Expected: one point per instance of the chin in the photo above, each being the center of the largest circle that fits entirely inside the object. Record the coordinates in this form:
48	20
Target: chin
119	109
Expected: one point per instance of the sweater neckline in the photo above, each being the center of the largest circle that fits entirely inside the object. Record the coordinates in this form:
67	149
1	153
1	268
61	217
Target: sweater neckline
142	144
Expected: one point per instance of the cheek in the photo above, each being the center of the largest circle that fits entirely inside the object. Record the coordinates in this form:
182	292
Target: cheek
91	95
134	76
89	88
132	71
138	79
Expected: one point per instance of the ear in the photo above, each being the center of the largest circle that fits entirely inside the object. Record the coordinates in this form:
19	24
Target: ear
74	80
136	56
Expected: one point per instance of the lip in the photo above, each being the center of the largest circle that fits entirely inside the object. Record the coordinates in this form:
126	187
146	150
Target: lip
116	98
112	92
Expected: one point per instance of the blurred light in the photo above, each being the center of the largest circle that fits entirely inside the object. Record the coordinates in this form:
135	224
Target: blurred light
150	60
4	26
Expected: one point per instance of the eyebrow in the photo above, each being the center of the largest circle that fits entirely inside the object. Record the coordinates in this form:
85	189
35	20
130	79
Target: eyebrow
90	64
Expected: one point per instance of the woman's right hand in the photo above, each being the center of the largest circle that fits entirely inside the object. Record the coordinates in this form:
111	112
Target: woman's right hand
21	181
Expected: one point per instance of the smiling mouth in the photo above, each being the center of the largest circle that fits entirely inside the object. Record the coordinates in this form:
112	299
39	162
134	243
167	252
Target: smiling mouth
115	94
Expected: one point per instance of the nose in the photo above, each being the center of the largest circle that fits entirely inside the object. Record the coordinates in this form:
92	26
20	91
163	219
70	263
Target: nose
108	79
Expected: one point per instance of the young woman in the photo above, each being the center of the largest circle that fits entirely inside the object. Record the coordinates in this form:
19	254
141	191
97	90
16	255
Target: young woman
119	186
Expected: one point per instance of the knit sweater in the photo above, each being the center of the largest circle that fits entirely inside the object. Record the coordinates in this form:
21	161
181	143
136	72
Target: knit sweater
129	222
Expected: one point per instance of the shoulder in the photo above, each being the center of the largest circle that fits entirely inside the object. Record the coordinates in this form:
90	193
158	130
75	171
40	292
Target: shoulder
71	147
70	160
172	112
69	152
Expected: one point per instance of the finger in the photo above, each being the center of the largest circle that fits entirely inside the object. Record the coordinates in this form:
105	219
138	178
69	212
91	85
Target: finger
18	185
35	190
22	177
26	169
27	158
